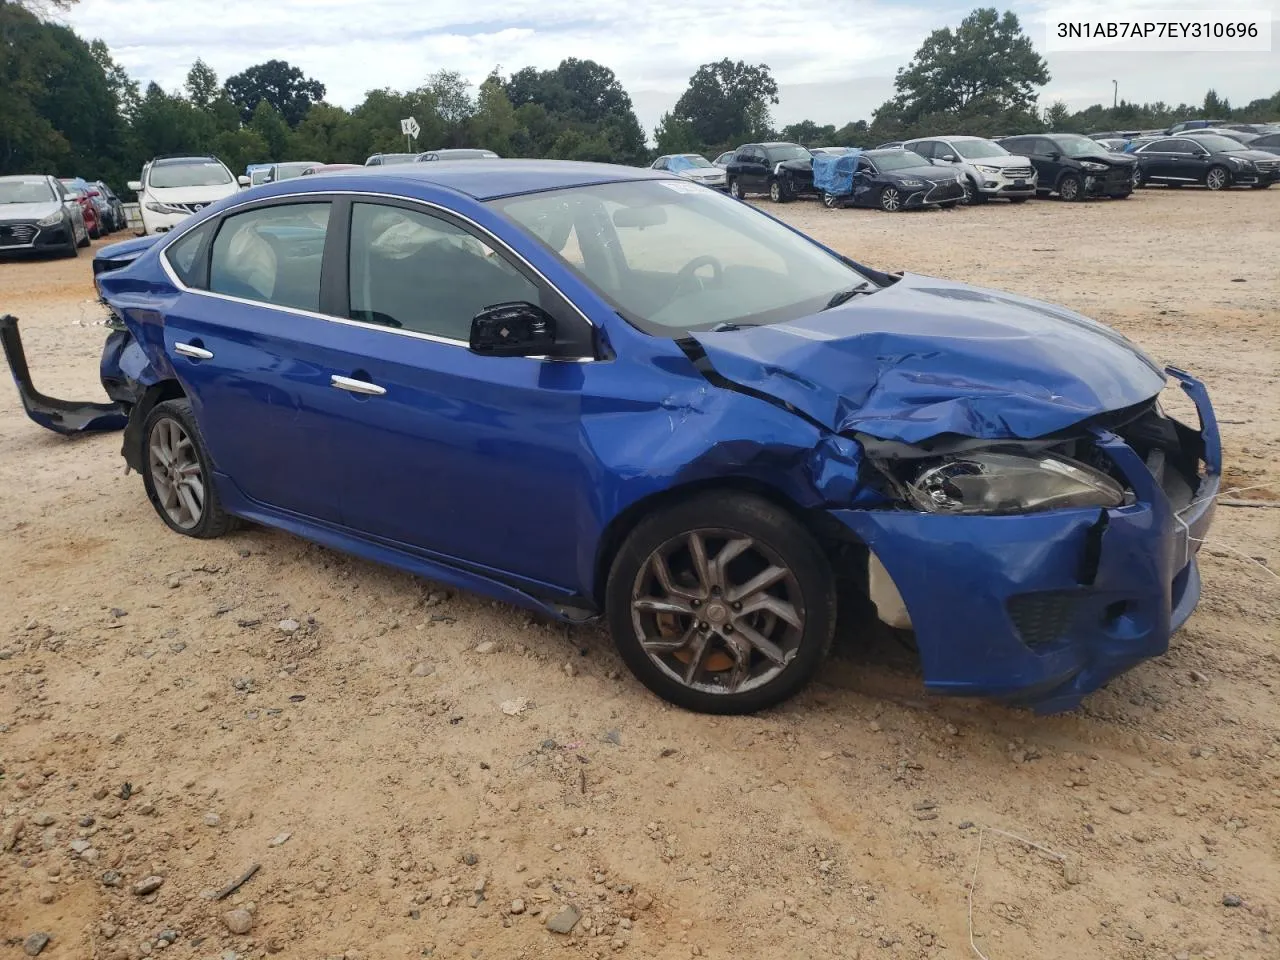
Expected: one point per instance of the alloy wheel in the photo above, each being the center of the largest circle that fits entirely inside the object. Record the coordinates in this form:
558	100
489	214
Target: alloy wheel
717	611
775	192
890	199
176	473
967	199
1070	189
1217	179
735	190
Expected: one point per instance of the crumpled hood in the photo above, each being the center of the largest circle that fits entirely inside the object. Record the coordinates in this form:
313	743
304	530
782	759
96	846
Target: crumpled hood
926	357
798	166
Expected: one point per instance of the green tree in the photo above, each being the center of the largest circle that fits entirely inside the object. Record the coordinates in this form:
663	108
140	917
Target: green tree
809	134
1058	117
270	126
675	135
328	134
728	102
494	124
987	62
202	84
1216	106
123	87
286	88
582	96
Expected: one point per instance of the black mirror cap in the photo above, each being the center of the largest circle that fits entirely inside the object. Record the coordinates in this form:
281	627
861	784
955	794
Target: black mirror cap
515	329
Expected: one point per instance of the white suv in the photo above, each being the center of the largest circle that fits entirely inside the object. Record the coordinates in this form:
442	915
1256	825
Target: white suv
986	169
173	188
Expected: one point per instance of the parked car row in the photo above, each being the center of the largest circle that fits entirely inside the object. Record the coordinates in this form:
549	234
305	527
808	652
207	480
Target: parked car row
429	156
42	212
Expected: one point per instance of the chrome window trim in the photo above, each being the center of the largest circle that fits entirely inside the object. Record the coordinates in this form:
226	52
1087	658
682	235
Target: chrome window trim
175	235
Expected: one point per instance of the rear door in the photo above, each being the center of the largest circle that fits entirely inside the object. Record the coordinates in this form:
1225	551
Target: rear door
247	342
1159	160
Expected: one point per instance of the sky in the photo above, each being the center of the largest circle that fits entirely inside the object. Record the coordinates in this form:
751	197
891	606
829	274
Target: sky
834	60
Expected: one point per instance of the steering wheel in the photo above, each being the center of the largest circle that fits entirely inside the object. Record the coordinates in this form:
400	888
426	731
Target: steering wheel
688	273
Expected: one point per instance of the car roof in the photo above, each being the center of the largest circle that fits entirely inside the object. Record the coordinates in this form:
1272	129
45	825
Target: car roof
485	179
163	161
779	143
946	136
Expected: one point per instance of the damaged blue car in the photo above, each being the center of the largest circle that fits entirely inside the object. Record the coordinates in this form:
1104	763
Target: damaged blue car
603	392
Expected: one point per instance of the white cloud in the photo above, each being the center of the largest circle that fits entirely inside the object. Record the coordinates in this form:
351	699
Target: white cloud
834	62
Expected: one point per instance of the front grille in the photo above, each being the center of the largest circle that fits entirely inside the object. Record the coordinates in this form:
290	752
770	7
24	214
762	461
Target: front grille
1018	173
1267	166
1041	618
189	207
17	234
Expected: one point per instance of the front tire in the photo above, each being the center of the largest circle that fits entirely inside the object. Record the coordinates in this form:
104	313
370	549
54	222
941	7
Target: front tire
890	200
779	192
72	249
1218	178
178	475
1071	189
735	190
722	604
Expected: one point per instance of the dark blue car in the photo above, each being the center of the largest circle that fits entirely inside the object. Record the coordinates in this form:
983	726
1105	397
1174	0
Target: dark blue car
599	391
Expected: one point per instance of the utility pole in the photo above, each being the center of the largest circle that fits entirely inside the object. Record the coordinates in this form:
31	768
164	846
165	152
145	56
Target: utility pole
1115	94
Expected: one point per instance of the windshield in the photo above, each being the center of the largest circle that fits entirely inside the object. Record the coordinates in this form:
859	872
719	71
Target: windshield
685	161
26	190
287	171
674	257
1077	146
979	149
899	160
197	173
787	152
1216	142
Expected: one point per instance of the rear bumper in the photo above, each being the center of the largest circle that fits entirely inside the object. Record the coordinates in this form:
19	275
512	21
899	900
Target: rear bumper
1043	609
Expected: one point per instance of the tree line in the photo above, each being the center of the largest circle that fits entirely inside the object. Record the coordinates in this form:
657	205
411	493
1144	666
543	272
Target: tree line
67	107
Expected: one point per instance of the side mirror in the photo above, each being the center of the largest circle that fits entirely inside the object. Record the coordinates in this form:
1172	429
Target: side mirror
1055	155
514	329
135	186
242	180
949	157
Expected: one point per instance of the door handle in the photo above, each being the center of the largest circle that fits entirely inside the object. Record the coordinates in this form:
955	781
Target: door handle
356	386
194	352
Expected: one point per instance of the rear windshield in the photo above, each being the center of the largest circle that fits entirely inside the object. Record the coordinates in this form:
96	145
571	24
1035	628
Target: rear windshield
199	173
25	190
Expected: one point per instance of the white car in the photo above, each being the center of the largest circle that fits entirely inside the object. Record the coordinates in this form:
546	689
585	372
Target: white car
693	167
986	169
173	188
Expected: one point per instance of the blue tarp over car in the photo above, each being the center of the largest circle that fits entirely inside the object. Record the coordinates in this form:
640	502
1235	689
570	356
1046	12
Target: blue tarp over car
834	175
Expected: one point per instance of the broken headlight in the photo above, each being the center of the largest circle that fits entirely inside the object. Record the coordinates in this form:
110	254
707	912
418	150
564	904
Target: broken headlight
996	483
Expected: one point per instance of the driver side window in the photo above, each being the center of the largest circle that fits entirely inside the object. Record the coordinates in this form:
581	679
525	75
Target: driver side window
414	271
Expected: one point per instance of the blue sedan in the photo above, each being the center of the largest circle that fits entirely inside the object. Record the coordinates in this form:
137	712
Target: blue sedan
603	392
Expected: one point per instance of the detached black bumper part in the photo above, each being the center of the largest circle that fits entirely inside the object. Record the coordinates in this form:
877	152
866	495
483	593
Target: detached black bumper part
61	416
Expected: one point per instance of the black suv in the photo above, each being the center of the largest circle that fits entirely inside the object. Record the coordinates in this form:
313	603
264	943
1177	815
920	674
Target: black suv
782	170
1210	159
1074	167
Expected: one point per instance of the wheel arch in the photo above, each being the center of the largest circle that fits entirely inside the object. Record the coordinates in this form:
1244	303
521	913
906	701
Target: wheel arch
158	392
842	548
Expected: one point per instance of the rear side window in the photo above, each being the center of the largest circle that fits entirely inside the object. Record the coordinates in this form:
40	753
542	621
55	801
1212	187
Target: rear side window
271	255
187	255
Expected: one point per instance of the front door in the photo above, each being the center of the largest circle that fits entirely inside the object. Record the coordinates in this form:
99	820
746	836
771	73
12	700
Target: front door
477	459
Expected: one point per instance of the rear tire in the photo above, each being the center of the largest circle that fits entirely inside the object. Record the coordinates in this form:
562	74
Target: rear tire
178	473
692	658
830	200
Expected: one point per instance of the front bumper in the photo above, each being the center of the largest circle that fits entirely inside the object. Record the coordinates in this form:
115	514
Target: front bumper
1253	178
153	222
1042	609
1109	184
932	193
1001	185
24	235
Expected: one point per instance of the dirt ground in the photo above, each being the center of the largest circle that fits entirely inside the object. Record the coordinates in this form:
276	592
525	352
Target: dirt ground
403	800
